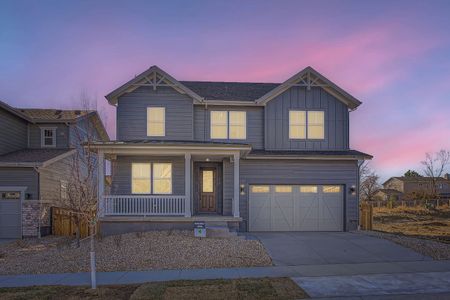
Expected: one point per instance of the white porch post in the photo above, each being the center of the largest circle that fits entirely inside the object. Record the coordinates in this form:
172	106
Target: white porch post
101	183
187	184
236	186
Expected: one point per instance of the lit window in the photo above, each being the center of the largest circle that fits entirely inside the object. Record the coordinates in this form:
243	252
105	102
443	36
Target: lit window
308	189
63	189
219	123
316	127
238	125
207	181
283	189
140	181
229	125
162	178
260	188
156	121
48	137
331	188
297	124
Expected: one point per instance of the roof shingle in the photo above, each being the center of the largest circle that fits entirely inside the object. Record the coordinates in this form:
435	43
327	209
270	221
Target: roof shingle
40	114
32	155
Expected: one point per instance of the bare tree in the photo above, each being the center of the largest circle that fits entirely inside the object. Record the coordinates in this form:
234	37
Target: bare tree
435	166
369	182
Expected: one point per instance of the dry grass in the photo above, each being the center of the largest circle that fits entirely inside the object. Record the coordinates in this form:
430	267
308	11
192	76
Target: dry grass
131	252
264	288
414	221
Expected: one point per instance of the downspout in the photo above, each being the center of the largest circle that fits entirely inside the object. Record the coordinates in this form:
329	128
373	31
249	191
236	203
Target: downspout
360	163
39	200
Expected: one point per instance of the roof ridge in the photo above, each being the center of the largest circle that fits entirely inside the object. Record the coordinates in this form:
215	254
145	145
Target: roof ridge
243	82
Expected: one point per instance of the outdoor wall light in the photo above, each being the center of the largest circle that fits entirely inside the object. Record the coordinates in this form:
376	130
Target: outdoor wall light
242	189
207	159
352	190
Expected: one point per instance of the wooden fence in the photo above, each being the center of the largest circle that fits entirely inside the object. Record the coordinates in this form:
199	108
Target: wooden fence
365	215
411	203
63	223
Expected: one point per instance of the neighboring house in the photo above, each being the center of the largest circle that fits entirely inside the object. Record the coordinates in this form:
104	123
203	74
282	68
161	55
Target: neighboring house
410	186
36	150
256	156
388	194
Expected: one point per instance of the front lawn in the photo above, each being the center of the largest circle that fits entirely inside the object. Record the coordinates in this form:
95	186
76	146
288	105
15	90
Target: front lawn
131	252
264	288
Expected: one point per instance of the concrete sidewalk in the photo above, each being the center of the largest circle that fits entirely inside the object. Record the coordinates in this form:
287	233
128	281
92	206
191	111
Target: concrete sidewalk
107	278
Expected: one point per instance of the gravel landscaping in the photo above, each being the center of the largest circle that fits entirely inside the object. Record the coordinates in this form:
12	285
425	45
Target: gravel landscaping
436	250
131	252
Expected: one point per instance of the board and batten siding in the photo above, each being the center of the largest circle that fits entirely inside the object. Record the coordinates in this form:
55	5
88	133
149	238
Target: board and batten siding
299	98
228	187
255	124
295	172
62	135
121	172
13	133
132	114
27	177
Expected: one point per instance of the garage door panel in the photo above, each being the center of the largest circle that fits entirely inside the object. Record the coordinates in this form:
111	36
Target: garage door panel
317	208
10	218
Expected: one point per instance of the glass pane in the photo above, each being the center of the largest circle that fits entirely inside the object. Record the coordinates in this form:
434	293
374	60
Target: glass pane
48	141
48	133
207	181
237	117
162	170
162	186
156	114
140	186
140	170
297	117
308	189
260	189
219	131
331	188
237	132
297	132
283	189
156	121
155	129
315	117
316	132
219	117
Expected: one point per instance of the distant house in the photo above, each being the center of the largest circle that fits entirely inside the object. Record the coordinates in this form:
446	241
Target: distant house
36	148
404	187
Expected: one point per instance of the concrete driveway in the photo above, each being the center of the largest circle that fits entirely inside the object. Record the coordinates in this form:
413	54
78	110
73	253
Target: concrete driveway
315	248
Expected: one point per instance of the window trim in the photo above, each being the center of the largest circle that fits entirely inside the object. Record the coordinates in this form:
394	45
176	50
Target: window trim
151	177
228	125
306	125
163	123
43	129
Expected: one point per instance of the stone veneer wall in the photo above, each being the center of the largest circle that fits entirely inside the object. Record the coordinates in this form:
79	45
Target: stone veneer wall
32	212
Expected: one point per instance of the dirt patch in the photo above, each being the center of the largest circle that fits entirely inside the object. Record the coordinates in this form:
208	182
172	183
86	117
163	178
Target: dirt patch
131	252
264	288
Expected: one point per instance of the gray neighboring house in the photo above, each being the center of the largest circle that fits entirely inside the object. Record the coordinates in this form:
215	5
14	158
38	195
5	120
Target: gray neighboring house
250	156
404	187
36	149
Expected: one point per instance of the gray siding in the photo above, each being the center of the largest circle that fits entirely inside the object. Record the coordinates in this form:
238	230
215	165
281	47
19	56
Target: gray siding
228	182
301	172
21	177
121	173
62	135
13	133
255	124
50	180
277	120
132	114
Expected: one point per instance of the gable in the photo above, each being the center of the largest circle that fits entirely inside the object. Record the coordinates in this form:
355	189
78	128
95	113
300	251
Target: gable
309	78
155	78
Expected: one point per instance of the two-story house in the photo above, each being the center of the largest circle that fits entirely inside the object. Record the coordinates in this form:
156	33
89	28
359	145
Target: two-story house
36	151
408	187
255	156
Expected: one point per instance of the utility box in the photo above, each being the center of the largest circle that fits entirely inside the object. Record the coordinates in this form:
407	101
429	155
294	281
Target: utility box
199	229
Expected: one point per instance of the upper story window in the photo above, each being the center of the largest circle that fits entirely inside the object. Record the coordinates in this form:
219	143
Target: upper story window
306	124
229	125
156	121
48	137
148	178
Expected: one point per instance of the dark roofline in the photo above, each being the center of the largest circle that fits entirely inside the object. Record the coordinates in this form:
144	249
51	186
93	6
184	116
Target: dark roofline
14	111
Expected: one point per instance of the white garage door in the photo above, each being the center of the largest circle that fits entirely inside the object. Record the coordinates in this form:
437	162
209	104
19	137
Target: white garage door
296	208
10	215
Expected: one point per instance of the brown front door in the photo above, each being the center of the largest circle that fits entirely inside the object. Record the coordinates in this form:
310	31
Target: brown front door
208	179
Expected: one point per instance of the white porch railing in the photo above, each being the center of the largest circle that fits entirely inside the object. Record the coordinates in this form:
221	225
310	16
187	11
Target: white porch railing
134	205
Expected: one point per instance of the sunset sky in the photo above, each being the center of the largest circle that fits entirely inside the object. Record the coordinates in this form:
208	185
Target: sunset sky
393	55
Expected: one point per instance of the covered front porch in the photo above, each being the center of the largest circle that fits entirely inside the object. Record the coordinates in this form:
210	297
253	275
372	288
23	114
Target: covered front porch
204	182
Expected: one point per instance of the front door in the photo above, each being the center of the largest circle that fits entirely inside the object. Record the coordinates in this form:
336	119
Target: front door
208	186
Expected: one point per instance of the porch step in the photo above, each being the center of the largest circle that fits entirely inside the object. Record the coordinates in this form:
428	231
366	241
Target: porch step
218	229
